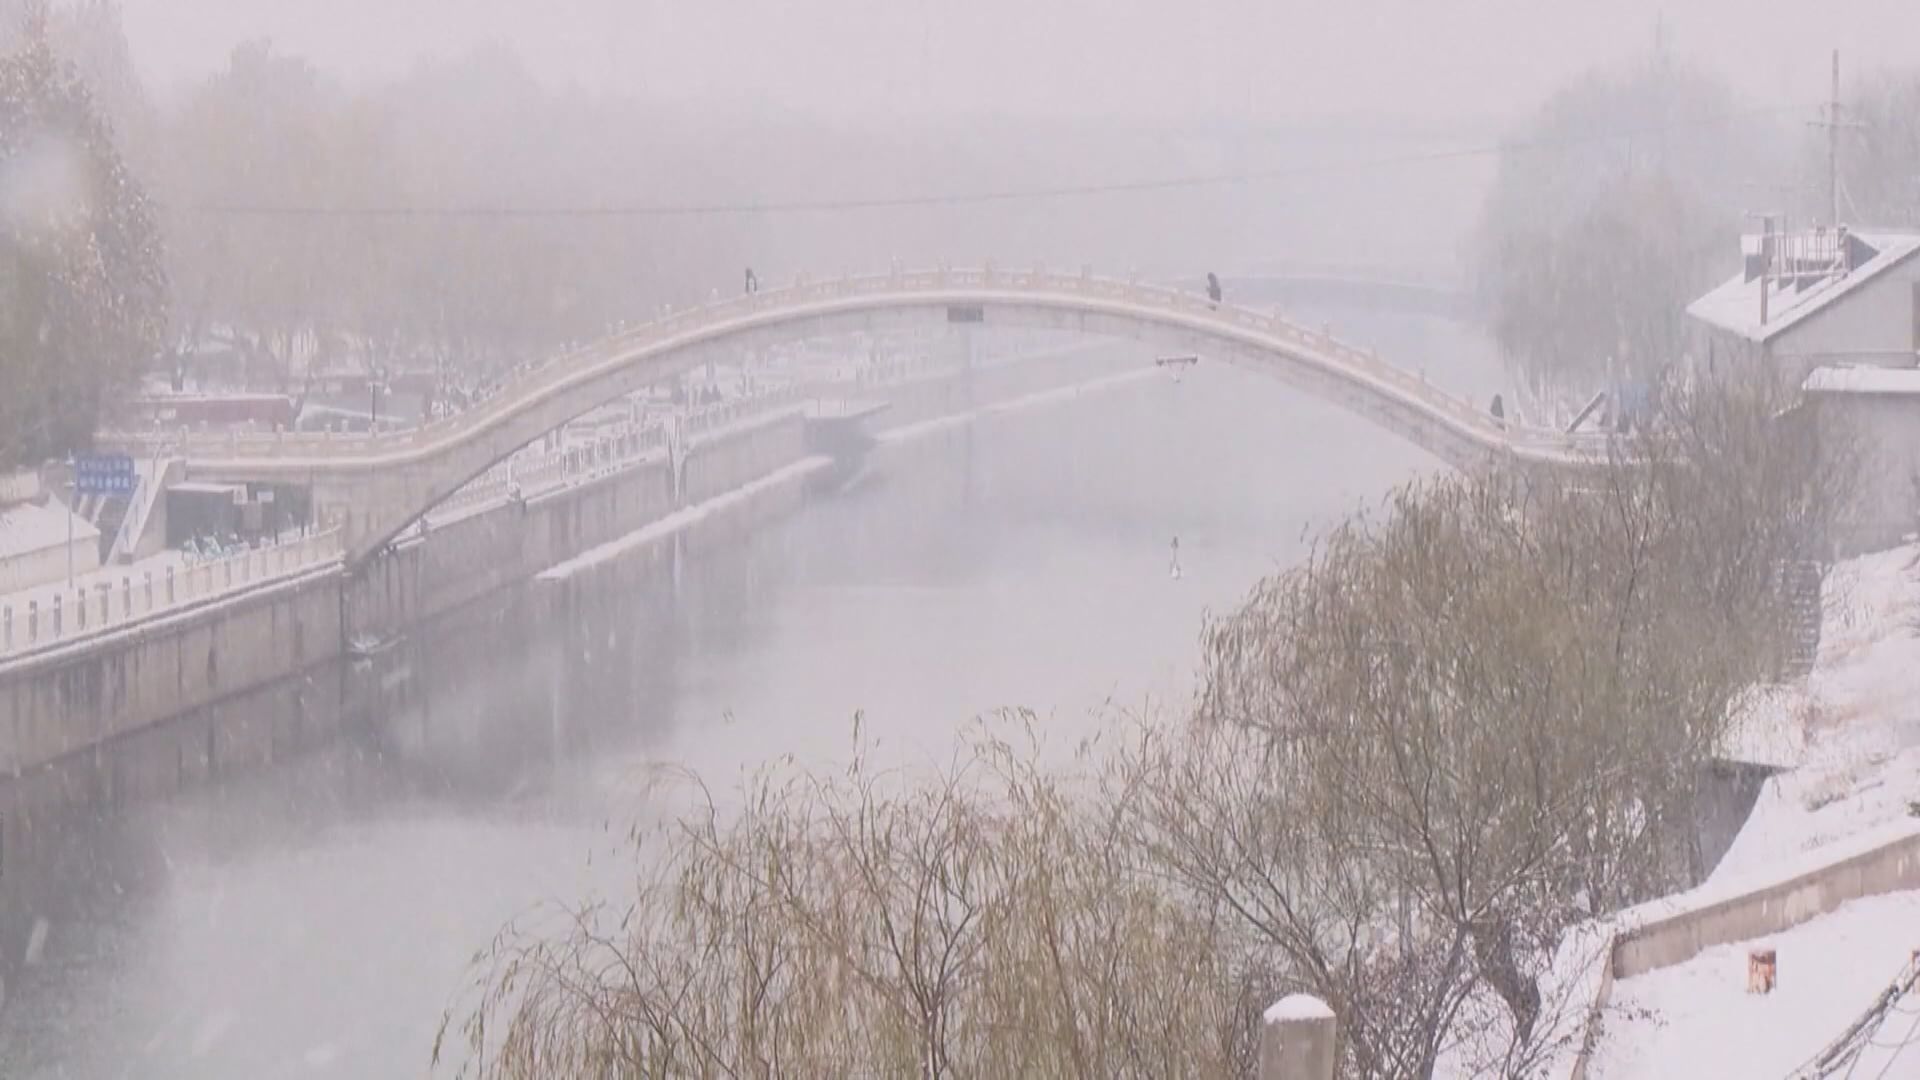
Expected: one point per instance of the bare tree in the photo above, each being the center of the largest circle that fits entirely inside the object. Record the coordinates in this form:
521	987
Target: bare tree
1613	208
990	921
1466	723
1496	704
82	285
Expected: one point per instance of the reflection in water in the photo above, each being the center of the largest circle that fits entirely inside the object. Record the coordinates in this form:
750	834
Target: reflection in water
314	918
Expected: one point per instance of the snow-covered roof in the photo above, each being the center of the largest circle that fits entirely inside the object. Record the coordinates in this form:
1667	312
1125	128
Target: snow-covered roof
28	527
1848	379
1735	305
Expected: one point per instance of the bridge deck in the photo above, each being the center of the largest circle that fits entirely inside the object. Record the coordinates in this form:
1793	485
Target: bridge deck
390	479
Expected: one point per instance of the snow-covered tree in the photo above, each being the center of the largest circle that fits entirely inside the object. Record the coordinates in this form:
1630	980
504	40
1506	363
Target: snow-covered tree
1482	717
82	288
1612	208
254	134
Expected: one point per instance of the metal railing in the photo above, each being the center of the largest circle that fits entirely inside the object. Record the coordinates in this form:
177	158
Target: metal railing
1082	291
715	418
606	453
105	600
538	471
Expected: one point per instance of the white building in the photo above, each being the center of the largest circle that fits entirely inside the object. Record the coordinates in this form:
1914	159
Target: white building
1839	314
1828	298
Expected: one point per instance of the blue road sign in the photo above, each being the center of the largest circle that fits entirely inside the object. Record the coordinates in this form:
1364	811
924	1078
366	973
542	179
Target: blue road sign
104	474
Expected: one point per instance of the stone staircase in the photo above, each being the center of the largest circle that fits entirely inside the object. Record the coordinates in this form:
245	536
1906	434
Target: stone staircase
1800	583
109	512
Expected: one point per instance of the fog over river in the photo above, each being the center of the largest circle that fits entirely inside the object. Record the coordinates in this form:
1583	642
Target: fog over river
316	918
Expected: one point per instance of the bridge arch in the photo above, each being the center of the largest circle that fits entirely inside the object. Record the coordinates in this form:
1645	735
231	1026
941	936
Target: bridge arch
386	482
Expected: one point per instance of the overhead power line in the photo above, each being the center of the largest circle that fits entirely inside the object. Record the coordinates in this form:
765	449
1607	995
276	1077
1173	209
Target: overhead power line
1847	1050
977	198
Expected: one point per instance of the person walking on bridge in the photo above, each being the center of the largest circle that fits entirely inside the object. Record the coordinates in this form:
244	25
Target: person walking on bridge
1213	288
753	283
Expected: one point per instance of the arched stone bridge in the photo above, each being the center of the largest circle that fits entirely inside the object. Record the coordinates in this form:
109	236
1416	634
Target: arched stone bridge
378	485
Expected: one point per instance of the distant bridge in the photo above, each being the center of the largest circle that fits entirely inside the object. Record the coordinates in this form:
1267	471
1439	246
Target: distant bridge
1411	290
375	486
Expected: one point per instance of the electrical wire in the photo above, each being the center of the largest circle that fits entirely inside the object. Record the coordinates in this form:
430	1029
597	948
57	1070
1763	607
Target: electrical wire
797	206
1898	1048
1848	1049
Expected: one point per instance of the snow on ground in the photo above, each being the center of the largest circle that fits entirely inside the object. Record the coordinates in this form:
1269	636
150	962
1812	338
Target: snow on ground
1856	722
26	528
1697	1019
1849	742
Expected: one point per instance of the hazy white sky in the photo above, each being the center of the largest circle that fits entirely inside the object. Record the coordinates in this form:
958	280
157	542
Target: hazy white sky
1278	59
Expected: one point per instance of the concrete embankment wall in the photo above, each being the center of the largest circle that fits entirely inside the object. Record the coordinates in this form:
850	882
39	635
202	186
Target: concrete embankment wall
156	705
954	392
1675	929
67	700
476	555
1701	921
708	526
82	726
715	466
148	708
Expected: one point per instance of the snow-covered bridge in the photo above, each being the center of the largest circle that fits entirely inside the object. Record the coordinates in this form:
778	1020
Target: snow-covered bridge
375	486
1412	290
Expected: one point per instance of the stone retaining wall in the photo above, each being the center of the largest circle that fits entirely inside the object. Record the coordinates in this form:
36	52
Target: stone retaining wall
1675	929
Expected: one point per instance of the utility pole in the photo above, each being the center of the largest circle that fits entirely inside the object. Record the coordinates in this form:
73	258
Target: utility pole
1834	121
1833	145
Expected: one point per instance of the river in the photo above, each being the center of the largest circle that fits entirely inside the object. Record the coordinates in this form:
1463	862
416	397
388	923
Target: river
314	919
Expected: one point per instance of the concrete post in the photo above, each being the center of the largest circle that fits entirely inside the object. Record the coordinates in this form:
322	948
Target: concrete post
1298	1040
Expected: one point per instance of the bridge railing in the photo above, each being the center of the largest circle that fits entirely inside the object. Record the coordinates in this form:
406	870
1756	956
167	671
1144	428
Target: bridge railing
540	471
1036	282
714	418
909	285
534	472
107	600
